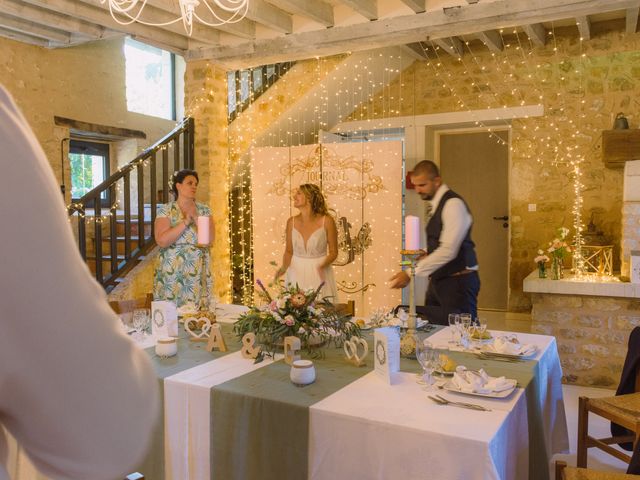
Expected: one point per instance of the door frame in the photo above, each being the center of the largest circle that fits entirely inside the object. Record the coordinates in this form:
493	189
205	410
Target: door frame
463	130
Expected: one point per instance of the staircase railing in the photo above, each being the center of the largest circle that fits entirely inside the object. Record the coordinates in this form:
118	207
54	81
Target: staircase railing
126	226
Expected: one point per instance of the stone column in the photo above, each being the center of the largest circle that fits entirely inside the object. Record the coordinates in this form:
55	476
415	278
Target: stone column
206	102
630	235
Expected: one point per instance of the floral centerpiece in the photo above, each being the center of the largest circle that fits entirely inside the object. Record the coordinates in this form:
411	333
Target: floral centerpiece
541	260
295	312
558	247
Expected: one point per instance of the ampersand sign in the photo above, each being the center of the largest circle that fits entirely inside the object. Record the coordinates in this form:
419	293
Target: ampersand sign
248	350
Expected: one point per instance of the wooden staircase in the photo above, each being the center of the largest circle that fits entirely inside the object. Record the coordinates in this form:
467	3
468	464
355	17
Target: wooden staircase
113	239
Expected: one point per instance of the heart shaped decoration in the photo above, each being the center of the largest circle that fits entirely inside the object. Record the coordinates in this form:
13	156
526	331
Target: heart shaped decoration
192	325
352	349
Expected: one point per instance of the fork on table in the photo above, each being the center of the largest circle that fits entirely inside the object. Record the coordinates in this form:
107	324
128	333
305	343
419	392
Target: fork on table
472	406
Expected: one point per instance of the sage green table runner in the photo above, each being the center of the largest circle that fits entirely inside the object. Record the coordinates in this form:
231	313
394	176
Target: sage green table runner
190	354
260	421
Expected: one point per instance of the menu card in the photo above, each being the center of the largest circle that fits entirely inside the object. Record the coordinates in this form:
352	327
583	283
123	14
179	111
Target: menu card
386	353
164	319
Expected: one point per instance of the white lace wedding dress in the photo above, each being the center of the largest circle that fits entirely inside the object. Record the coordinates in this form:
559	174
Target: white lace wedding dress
304	261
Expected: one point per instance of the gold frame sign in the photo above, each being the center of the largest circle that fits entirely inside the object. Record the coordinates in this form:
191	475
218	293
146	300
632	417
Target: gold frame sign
362	183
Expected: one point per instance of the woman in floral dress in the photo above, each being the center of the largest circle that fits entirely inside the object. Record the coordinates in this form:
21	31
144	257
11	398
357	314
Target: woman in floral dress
179	270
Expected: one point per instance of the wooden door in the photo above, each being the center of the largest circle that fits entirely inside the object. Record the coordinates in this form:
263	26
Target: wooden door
475	164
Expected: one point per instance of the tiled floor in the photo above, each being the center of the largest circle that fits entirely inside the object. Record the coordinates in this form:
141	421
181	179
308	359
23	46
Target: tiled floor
521	322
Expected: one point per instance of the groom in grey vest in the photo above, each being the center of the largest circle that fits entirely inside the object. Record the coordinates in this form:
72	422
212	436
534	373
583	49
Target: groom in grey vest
450	262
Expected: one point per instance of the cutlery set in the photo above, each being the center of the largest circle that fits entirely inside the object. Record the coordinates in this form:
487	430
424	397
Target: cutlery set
472	406
501	357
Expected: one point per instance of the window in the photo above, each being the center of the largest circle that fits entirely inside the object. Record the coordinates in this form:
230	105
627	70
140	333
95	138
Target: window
89	163
150	80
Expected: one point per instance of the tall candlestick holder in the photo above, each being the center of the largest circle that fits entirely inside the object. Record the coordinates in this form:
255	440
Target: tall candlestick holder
408	340
204	307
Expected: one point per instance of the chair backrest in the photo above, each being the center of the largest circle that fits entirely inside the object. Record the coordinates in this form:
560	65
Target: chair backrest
128	306
564	472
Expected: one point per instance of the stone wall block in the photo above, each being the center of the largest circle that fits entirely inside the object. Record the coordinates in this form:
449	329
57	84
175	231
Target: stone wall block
579	364
626	322
569	301
566	348
612	338
572	333
542	329
592	321
597	350
603	304
600	380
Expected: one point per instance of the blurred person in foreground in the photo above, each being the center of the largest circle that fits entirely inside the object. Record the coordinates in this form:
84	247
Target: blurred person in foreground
76	393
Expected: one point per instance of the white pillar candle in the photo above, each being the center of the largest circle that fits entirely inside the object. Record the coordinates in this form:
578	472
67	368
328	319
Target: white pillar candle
411	232
203	231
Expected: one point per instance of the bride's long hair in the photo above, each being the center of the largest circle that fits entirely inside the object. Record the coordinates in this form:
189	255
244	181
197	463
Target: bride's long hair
315	198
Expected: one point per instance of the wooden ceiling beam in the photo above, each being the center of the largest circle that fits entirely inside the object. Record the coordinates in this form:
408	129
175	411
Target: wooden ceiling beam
416	51
30	28
417	6
468	19
46	17
536	33
453	46
24	38
80	10
317	11
367	8
269	16
584	27
632	19
492	40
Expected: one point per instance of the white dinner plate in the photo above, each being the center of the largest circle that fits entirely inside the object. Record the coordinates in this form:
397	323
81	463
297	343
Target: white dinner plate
443	373
449	386
490	350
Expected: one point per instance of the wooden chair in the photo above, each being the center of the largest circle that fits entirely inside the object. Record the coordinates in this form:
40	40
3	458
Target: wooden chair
563	472
127	306
622	410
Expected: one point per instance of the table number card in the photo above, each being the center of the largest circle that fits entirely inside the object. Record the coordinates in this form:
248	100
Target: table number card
164	319
386	353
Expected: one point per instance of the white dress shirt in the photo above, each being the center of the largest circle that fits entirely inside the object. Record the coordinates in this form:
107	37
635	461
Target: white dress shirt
75	391
456	222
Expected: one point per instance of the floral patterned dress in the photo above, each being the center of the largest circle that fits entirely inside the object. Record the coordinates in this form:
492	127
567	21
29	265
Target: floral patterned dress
178	273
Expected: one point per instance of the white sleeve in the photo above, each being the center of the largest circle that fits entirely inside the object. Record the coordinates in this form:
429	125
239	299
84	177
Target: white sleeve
456	222
75	392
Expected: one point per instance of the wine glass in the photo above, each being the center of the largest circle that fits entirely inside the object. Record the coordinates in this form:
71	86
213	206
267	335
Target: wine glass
426	356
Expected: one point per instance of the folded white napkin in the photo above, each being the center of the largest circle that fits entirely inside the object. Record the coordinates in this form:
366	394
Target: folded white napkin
506	346
479	382
187	309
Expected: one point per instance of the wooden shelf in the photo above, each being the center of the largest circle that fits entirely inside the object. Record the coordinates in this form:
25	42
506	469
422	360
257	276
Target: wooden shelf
620	146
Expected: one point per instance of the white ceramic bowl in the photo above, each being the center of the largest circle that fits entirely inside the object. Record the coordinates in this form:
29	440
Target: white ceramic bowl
302	372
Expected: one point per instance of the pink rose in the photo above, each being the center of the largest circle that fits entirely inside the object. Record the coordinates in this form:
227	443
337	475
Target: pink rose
289	321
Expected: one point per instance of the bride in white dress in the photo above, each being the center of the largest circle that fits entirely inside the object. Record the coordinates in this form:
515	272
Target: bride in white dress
312	244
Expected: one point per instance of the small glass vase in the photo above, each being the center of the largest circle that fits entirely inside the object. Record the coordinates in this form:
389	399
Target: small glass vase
556	269
542	270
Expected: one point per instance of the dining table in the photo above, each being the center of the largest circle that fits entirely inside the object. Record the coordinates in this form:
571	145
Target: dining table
228	417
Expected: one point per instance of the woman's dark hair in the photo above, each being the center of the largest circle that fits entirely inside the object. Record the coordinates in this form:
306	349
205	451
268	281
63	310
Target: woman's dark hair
179	176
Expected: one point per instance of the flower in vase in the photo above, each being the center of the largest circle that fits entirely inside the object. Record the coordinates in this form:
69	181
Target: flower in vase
541	258
298	300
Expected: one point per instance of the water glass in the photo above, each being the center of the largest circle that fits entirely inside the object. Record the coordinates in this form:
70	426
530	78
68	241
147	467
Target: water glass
141	320
454	322
427	357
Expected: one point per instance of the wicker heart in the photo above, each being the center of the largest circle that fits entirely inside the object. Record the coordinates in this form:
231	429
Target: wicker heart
352	347
203	324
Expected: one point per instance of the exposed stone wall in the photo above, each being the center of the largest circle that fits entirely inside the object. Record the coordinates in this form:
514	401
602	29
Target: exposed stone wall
592	334
139	281
85	83
608	72
206	102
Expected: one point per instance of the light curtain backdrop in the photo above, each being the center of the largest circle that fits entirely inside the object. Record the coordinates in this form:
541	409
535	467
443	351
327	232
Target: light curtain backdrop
362	182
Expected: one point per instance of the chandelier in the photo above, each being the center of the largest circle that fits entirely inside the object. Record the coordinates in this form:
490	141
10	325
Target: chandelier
212	13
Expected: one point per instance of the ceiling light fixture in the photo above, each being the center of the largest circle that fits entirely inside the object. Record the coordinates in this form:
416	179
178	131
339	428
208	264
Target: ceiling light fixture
211	12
